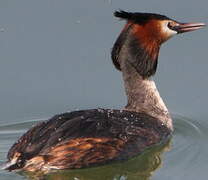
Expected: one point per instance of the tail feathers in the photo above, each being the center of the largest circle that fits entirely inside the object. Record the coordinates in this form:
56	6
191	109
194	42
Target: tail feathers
10	165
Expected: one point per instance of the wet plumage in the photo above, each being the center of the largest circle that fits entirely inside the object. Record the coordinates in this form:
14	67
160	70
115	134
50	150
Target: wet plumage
98	136
84	138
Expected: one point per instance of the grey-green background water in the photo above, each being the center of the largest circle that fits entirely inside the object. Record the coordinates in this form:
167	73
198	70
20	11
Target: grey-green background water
55	57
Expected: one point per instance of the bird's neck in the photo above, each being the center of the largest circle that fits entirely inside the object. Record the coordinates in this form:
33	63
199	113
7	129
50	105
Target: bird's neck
143	96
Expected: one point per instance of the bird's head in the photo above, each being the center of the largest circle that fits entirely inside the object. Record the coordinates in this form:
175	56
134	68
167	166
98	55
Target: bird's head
141	38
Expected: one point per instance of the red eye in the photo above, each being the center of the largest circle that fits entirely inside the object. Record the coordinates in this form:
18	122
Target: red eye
170	25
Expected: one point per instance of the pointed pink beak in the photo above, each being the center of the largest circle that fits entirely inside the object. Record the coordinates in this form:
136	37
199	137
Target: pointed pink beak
186	27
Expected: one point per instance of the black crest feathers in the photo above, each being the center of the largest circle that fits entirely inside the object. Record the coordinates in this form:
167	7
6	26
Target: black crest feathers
123	14
140	18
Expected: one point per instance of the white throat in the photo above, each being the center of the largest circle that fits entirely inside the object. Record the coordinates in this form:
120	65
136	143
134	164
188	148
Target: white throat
143	96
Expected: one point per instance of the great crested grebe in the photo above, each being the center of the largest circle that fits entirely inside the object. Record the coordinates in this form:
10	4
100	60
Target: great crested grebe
93	137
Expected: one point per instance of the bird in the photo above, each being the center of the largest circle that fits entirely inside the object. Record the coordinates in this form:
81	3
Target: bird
93	137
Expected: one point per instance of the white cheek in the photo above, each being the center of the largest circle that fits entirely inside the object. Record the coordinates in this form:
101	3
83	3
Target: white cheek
167	32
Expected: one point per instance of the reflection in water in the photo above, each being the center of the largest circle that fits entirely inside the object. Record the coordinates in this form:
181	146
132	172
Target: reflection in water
140	167
187	146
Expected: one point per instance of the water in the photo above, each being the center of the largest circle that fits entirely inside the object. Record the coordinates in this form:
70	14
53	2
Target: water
55	57
177	159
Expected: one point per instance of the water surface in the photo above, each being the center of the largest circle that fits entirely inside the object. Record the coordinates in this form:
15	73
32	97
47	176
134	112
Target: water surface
179	158
55	57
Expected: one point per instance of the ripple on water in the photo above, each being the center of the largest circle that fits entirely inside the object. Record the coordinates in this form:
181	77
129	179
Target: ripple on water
9	133
16	128
187	145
